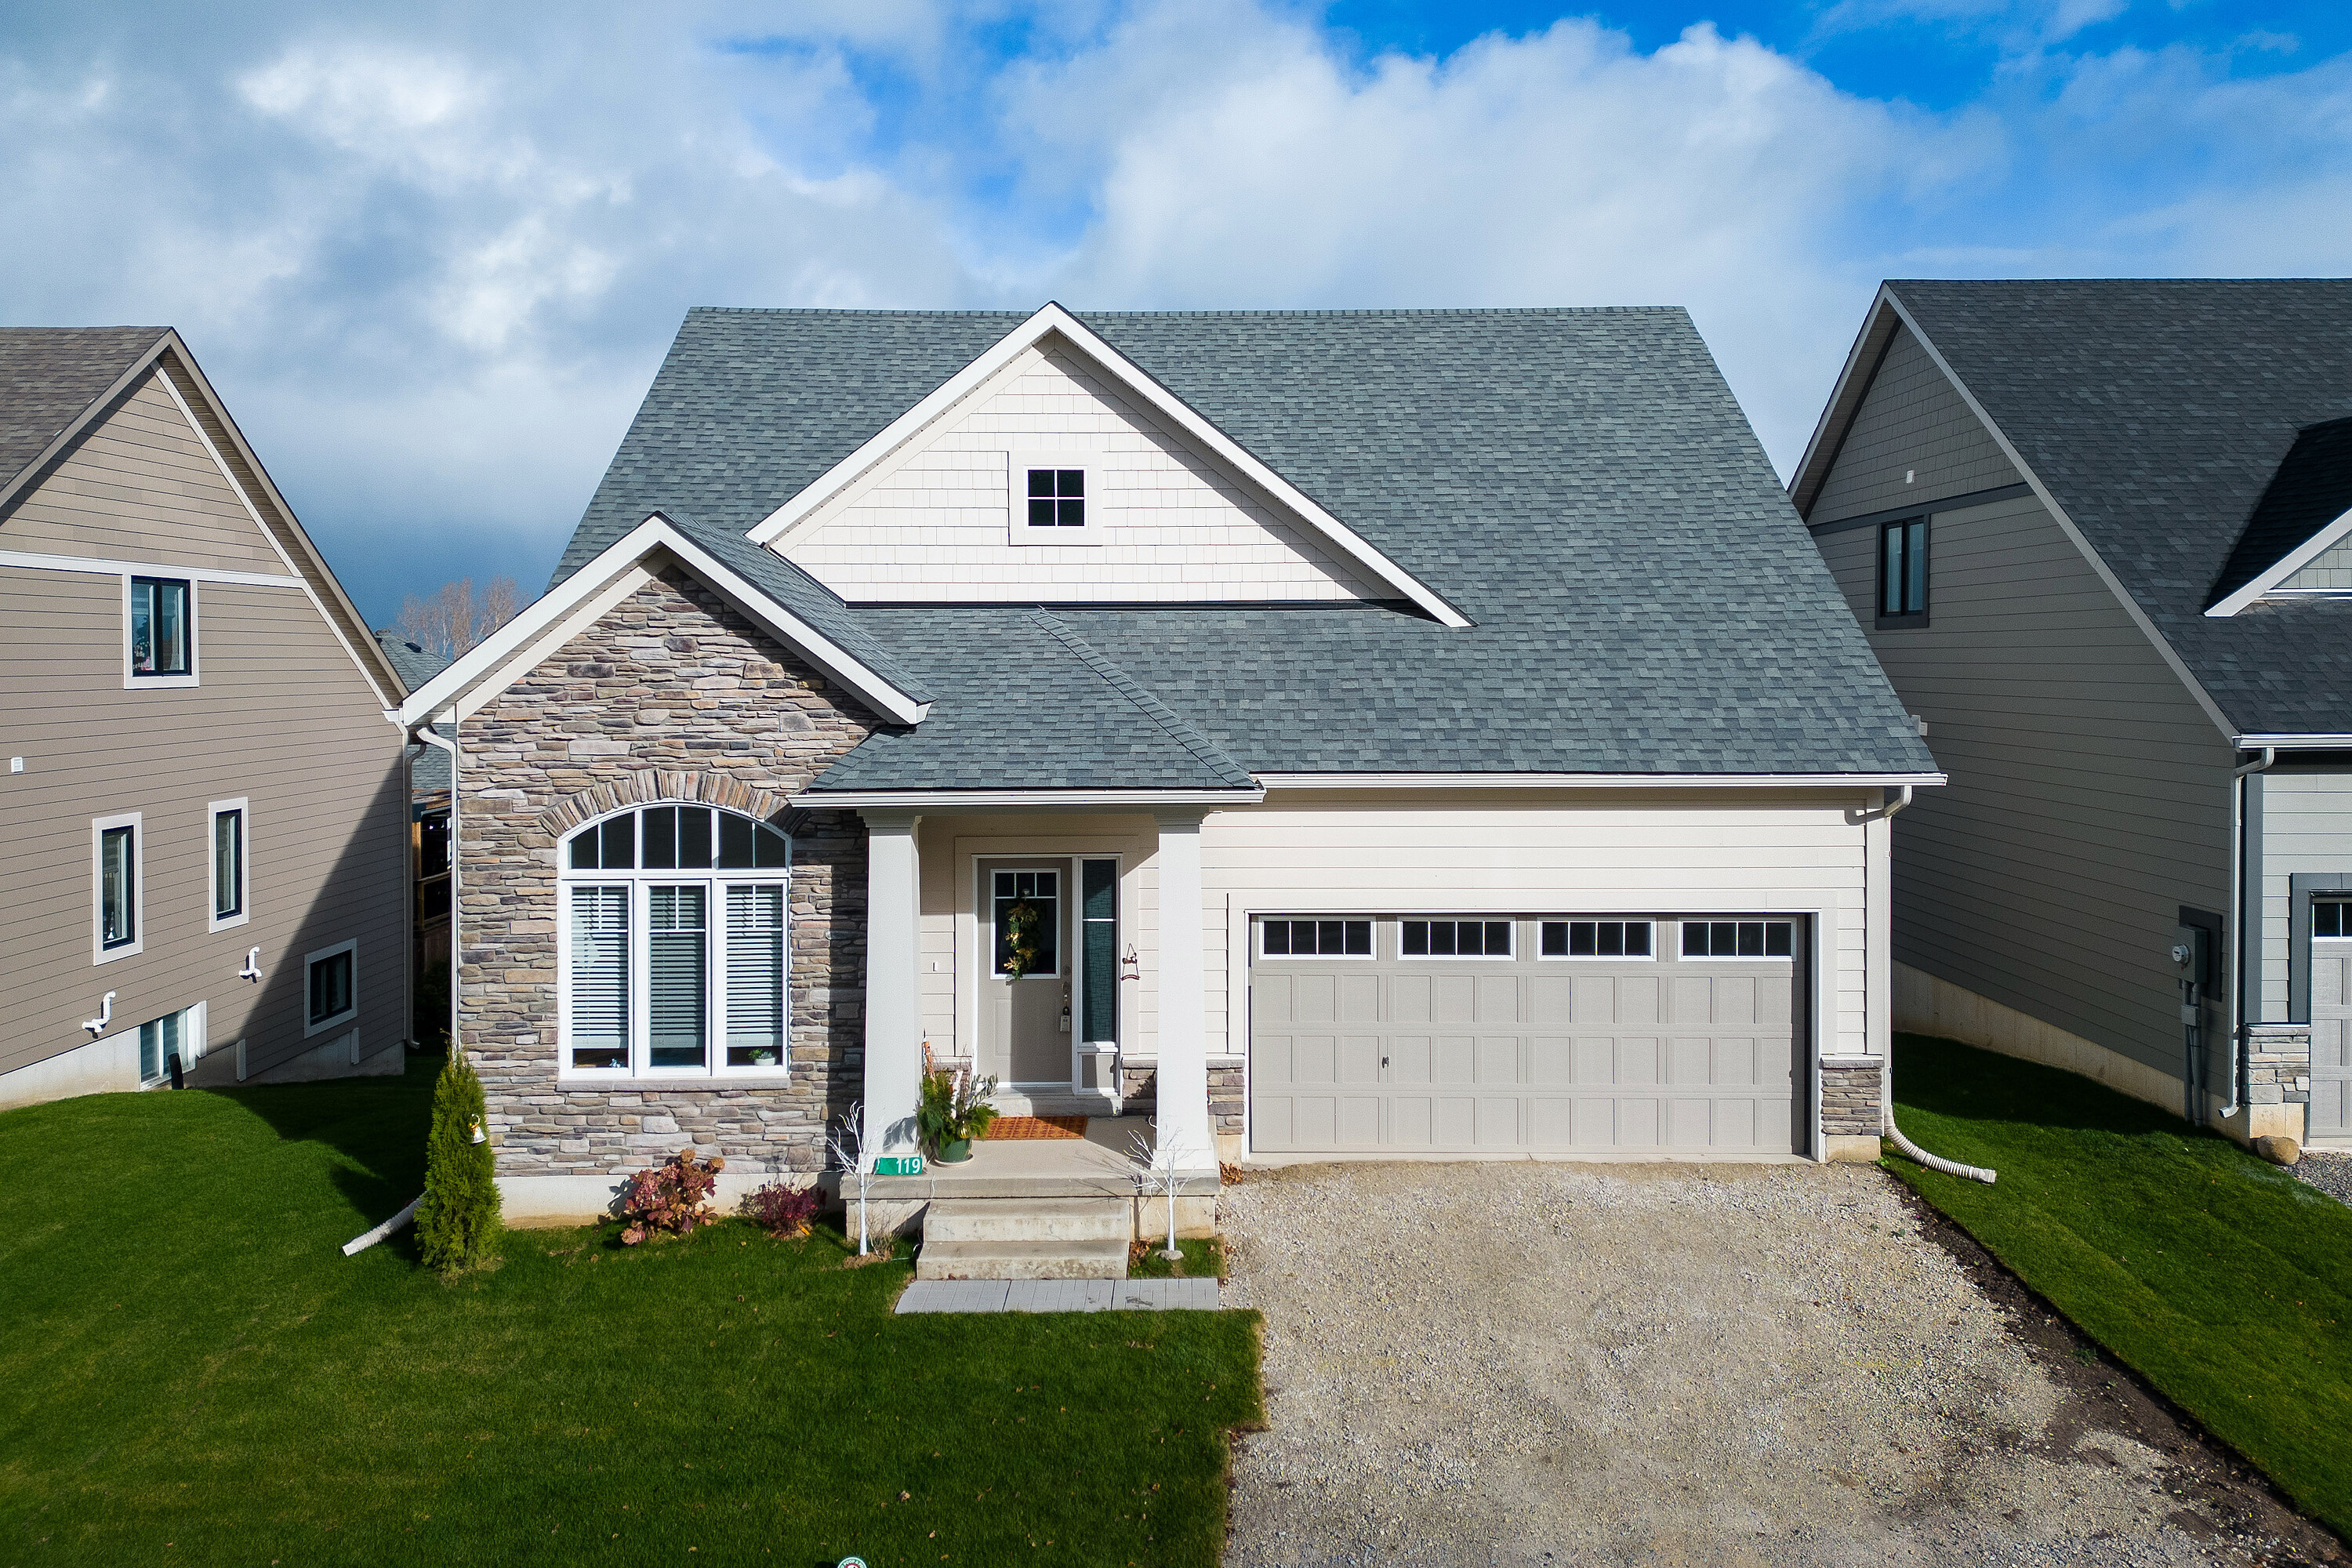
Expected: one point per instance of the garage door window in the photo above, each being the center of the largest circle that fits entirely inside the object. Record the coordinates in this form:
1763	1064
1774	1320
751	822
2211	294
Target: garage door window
1736	938
1457	939
1316	939
1596	938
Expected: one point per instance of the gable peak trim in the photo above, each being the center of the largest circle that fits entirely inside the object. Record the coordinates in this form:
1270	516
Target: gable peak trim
1050	320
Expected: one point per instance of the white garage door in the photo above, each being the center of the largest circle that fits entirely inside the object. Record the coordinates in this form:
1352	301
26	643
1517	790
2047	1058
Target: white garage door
1456	1035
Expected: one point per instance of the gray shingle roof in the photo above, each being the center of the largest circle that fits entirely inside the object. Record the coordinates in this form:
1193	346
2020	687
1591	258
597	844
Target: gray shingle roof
1581	483
50	375
2159	413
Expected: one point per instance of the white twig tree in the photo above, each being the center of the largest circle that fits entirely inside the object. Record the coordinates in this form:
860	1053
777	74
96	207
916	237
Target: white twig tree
846	1138
1156	1173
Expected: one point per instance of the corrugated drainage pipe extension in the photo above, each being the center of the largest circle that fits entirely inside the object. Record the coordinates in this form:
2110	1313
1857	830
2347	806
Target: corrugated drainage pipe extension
1911	1151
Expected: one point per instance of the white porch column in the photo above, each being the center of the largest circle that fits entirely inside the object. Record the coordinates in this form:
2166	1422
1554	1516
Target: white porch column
894	1025
1183	1074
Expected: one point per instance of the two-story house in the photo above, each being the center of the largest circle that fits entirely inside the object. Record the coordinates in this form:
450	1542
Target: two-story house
206	808
1383	734
2099	535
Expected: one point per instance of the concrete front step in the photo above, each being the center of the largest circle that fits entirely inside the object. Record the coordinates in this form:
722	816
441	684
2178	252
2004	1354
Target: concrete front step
1091	1257
1029	1219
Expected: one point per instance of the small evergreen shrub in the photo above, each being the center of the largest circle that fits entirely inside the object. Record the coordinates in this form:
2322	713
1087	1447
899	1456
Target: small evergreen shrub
670	1199
459	1219
784	1212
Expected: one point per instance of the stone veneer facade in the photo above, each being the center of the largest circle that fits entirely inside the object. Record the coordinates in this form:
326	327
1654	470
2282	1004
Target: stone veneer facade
1850	1103
671	695
2278	1068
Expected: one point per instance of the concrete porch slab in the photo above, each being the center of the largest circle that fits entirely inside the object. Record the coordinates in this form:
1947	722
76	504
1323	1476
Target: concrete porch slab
1059	1296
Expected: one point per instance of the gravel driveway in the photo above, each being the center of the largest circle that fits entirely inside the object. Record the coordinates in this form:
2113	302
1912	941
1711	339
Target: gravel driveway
1528	1363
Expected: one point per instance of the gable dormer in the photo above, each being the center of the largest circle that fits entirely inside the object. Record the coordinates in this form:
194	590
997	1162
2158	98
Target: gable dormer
2298	541
1054	470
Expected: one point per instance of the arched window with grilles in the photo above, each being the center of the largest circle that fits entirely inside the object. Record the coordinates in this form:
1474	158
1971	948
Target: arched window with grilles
672	947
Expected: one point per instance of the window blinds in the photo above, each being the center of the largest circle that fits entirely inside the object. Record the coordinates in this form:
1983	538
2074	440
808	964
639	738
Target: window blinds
755	976
600	977
677	976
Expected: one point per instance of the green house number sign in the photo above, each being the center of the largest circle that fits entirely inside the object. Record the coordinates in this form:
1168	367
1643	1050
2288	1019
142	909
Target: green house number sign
897	1164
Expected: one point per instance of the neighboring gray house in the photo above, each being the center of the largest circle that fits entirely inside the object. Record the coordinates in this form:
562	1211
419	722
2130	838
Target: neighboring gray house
1381	733
2100	535
202	797
428	842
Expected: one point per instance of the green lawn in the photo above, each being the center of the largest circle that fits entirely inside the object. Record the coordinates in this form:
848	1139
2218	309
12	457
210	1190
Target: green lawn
194	1373
2223	1280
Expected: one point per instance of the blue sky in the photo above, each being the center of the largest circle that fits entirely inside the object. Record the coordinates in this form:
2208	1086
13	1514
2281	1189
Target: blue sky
433	254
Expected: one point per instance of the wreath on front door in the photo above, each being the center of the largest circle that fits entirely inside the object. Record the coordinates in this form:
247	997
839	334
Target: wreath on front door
1020	938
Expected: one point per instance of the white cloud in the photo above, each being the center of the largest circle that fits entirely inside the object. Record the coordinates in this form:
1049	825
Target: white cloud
433	257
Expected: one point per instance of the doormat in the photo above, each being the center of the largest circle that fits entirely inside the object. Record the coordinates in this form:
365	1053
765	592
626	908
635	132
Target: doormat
1016	1127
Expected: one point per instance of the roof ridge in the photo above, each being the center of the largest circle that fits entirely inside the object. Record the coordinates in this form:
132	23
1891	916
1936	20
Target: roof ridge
1083	313
1205	752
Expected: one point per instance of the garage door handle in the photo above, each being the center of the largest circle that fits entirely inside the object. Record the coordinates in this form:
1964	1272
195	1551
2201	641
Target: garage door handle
1384	1061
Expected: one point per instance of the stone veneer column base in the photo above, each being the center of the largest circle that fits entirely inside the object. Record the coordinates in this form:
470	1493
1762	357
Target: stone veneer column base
1853	1104
2278	1082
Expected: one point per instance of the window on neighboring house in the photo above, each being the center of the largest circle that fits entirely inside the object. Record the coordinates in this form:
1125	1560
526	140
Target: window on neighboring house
177	1034
119	895
1456	939
1596	938
1737	939
163	628
1903	572
674	957
1057	497
1318	939
2331	918
230	853
333	974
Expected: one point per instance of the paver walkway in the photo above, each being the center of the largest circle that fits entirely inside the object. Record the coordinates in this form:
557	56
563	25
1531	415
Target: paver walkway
1059	1296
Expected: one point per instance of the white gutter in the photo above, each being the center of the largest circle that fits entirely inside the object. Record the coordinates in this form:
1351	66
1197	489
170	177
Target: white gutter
1598	781
2310	743
850	800
1912	1151
2235	984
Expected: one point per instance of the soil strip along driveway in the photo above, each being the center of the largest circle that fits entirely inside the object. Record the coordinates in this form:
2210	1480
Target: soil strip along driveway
1532	1363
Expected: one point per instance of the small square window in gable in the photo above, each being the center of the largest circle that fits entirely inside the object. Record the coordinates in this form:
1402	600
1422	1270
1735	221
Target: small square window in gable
1053	497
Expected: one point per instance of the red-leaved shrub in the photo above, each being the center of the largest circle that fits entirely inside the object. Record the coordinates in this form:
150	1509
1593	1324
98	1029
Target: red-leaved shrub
784	1212
672	1198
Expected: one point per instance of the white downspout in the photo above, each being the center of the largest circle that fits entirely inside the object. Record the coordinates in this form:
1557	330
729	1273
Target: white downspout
2239	861
429	736
1910	1149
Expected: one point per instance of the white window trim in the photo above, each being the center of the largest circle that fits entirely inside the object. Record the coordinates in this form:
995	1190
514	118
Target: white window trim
344	1018
1649	957
132	682
136	822
639	882
988	925
1019	532
1510	957
214	920
1262	920
1788	957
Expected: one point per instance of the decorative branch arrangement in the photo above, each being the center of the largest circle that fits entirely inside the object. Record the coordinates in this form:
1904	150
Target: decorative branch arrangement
953	1108
1020	938
845	1138
1157	1176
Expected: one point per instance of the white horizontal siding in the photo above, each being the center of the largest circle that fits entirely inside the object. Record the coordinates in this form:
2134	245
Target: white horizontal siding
2306	827
1177	527
1634	854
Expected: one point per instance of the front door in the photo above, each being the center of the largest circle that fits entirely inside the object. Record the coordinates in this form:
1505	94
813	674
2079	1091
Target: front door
1025	1012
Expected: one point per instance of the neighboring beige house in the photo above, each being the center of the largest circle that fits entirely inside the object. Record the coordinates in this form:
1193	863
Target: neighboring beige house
1332	734
205	809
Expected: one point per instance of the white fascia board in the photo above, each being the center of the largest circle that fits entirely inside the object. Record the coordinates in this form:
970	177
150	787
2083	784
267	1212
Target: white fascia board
2287	566
2042	492
657	533
849	800
1596	780
1051	318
